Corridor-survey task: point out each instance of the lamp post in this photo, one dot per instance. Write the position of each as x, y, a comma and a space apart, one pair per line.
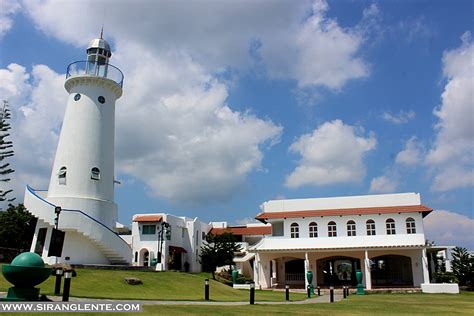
164, 225
57, 211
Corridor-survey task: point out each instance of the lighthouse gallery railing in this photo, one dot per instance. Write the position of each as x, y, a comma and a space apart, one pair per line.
95, 69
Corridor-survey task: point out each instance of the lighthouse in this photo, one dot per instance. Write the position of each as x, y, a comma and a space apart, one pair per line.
82, 180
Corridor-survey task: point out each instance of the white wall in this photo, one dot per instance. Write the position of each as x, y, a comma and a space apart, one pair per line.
399, 199
341, 222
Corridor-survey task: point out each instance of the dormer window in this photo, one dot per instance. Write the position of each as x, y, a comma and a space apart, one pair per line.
95, 173
62, 175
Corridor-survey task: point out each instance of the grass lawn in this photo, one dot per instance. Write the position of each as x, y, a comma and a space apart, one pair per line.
96, 283
375, 304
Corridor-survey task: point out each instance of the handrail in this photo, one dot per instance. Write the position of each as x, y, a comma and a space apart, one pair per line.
79, 211
95, 69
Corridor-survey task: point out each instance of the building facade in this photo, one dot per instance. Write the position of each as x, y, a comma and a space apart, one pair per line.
381, 235
168, 242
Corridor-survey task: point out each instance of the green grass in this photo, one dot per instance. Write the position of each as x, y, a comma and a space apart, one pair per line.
375, 304
96, 283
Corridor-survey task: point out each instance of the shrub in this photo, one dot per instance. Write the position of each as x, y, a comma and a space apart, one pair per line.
445, 277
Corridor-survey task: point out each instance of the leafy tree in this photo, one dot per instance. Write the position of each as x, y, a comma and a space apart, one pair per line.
218, 250
463, 266
17, 227
6, 151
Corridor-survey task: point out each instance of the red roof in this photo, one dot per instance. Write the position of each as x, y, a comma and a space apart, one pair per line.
347, 211
243, 230
147, 218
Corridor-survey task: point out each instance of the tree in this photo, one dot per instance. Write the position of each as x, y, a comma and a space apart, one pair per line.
6, 151
17, 227
218, 250
463, 266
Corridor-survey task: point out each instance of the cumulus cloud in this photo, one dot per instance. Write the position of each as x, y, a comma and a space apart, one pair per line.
411, 154
401, 117
175, 132
383, 184
37, 100
332, 153
8, 9
452, 155
297, 41
448, 228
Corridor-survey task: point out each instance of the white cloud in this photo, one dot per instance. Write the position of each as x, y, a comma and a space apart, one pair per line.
7, 9
383, 184
332, 153
452, 154
411, 155
401, 117
311, 49
449, 229
37, 101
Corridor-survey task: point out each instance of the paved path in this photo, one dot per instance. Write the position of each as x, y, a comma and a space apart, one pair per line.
313, 300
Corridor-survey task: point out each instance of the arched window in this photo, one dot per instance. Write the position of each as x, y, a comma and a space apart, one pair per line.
370, 224
62, 175
313, 230
95, 173
411, 228
332, 229
294, 231
351, 228
390, 224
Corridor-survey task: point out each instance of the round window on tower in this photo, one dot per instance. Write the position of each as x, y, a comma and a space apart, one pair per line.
101, 99
77, 97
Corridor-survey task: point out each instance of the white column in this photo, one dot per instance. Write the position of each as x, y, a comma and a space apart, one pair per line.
256, 267
424, 266
367, 276
306, 269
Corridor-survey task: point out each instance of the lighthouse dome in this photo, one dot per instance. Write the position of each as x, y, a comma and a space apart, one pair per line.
99, 43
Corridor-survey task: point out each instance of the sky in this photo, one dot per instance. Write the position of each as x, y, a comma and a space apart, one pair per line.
227, 104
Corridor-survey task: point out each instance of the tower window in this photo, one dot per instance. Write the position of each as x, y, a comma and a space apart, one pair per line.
95, 173
62, 175
77, 97
101, 99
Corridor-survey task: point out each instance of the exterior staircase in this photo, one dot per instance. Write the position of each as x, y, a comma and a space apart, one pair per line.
114, 248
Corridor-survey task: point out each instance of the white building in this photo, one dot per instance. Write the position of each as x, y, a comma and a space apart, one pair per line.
173, 242
381, 235
82, 178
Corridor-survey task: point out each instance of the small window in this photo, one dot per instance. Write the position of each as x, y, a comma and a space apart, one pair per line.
62, 175
77, 97
332, 229
168, 233
101, 99
136, 256
149, 229
294, 231
351, 228
370, 224
313, 230
390, 224
95, 173
411, 228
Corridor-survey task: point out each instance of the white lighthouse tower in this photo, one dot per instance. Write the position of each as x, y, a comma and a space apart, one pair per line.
82, 178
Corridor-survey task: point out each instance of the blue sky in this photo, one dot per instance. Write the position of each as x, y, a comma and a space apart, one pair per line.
229, 104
